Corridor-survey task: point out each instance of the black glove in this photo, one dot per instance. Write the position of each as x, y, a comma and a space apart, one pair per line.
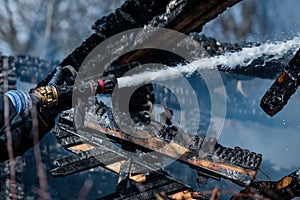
54, 94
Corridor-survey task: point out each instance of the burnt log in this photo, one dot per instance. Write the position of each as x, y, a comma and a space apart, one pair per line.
286, 188
203, 154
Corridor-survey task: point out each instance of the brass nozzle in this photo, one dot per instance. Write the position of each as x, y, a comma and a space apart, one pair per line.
48, 96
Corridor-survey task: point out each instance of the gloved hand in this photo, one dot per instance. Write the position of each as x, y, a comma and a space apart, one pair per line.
54, 94
31, 116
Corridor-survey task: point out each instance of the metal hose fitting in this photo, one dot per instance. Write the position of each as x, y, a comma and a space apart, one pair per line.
48, 96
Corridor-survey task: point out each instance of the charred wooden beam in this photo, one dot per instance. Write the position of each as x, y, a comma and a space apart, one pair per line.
235, 164
210, 164
86, 160
145, 186
184, 16
154, 184
286, 188
157, 184
93, 152
283, 88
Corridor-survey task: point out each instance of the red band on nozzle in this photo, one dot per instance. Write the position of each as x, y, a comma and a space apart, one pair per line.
101, 86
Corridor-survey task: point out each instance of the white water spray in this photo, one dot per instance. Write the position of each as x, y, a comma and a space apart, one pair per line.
242, 58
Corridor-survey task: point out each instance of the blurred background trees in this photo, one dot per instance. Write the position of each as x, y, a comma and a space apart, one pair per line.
52, 28
49, 28
256, 20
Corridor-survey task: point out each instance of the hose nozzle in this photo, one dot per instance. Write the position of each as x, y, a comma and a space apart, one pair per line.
104, 85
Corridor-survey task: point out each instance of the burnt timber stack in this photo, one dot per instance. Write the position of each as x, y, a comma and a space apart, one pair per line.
237, 165
91, 143
93, 146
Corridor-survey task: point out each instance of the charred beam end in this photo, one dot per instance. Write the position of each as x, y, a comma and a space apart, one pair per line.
197, 13
286, 188
283, 88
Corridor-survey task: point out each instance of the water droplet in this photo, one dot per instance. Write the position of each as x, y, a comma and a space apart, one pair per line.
188, 75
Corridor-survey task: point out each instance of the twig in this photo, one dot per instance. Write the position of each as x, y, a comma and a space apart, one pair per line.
37, 153
8, 132
49, 21
215, 194
264, 173
88, 184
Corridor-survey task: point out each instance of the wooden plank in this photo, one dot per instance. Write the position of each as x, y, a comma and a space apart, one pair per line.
210, 165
